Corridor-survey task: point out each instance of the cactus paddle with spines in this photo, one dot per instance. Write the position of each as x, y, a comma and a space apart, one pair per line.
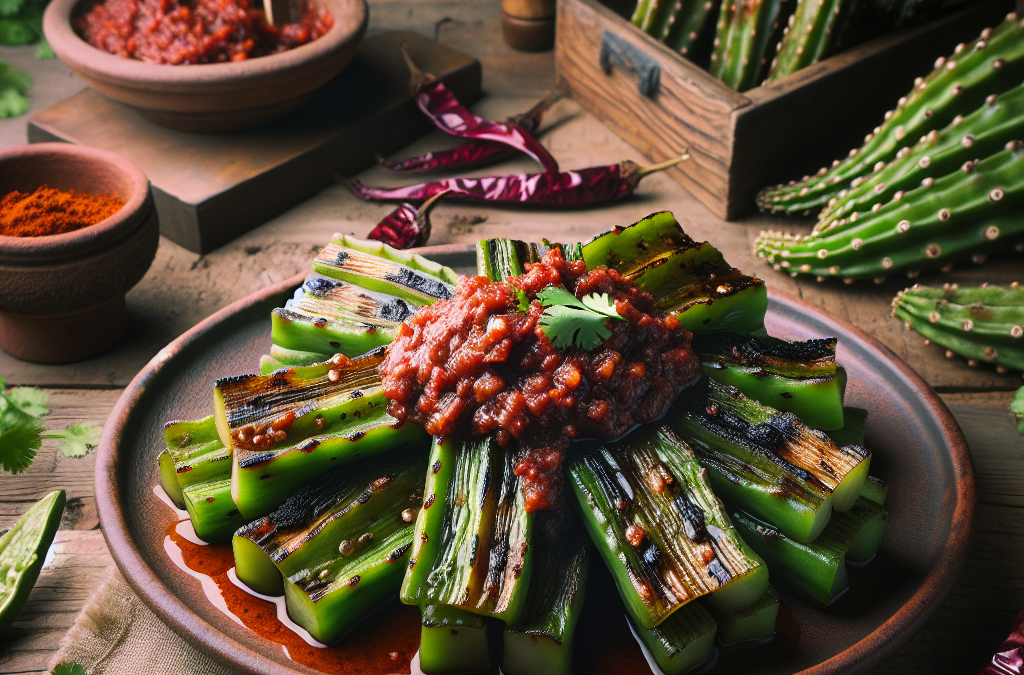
992, 64
812, 33
983, 324
967, 214
984, 132
747, 33
680, 24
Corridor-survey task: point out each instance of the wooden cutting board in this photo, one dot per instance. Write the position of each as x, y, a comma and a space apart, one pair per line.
211, 188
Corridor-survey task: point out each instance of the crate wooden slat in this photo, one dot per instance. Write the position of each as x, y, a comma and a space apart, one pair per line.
742, 142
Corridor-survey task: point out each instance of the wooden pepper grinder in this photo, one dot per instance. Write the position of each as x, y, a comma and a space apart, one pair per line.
528, 25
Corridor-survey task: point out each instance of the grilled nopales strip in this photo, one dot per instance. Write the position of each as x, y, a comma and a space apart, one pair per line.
983, 324
540, 642
453, 640
341, 512
814, 31
990, 65
751, 451
687, 278
752, 624
797, 377
471, 550
285, 428
666, 538
194, 454
745, 42
213, 513
681, 643
967, 214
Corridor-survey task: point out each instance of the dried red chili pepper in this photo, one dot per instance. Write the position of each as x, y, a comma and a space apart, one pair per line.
476, 153
406, 226
1009, 660
585, 187
439, 104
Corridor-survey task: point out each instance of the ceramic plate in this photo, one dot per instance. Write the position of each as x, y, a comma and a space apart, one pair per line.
918, 449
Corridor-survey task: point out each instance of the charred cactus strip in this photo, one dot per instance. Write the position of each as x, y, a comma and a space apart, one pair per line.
990, 65
983, 324
748, 31
813, 32
962, 215
984, 132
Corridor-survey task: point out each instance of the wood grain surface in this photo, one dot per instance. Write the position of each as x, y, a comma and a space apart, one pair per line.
183, 287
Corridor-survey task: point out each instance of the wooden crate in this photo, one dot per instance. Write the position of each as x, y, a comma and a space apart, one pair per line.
662, 104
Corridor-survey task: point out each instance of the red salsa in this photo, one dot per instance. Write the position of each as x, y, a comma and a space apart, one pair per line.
195, 31
475, 362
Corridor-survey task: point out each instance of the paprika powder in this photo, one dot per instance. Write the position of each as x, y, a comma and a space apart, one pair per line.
48, 211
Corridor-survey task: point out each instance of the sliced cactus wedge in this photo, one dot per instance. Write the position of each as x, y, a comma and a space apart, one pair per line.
967, 214
982, 324
746, 38
814, 31
194, 454
992, 64
964, 141
680, 24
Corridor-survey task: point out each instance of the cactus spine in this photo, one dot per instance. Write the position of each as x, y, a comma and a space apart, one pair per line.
982, 133
990, 65
983, 324
813, 32
680, 24
746, 35
967, 213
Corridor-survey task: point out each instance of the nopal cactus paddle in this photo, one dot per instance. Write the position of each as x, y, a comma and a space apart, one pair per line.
967, 214
982, 133
814, 31
990, 65
680, 24
747, 33
984, 324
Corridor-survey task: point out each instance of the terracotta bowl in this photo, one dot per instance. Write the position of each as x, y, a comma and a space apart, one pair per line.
210, 97
63, 295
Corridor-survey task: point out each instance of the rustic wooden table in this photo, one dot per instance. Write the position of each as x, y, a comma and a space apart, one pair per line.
182, 288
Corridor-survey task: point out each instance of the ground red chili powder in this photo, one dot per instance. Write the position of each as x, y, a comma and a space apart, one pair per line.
48, 211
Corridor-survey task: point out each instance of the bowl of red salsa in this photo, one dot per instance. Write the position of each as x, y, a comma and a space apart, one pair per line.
205, 65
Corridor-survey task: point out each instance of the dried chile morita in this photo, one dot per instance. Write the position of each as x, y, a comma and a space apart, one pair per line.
476, 364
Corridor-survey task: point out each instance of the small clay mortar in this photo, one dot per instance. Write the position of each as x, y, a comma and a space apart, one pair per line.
62, 297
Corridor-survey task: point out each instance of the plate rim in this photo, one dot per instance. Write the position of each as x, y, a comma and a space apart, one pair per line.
860, 656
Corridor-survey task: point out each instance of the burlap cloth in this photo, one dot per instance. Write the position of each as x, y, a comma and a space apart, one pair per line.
116, 634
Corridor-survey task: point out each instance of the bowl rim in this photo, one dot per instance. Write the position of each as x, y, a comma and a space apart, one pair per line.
350, 19
47, 248
860, 656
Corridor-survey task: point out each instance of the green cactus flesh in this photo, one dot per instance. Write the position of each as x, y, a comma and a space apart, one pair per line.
813, 32
983, 324
748, 31
966, 214
1017, 408
678, 23
992, 64
984, 132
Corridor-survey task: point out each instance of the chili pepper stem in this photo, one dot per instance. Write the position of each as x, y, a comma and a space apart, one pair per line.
644, 170
422, 219
418, 79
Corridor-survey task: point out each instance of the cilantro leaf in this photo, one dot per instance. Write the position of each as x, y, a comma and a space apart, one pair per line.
10, 7
13, 85
78, 440
19, 437
44, 50
30, 400
68, 669
601, 304
569, 322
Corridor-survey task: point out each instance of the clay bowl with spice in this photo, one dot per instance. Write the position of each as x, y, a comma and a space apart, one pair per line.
208, 97
63, 288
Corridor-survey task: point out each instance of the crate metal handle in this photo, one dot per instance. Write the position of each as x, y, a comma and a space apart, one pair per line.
617, 52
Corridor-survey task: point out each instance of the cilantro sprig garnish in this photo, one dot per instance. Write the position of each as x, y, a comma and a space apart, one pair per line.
22, 432
569, 321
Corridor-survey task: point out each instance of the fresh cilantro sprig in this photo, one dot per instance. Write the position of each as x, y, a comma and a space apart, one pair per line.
68, 669
22, 432
569, 321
